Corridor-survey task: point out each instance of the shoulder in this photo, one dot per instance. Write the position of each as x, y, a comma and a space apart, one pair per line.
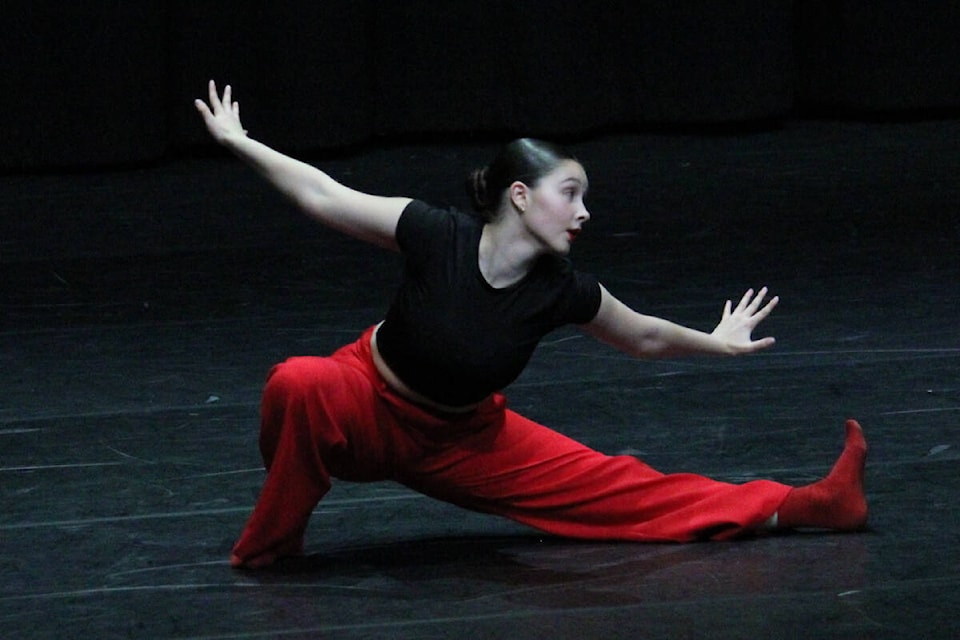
561, 269
422, 223
579, 292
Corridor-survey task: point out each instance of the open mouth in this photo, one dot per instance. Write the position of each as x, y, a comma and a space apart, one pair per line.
572, 234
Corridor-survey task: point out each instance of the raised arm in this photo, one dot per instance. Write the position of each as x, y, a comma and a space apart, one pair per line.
364, 216
651, 337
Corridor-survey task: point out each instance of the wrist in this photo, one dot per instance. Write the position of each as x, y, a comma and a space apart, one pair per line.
234, 141
721, 346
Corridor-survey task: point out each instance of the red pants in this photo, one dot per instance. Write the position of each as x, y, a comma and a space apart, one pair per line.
335, 416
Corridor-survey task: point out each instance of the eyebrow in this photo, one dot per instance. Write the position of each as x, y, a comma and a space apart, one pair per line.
582, 183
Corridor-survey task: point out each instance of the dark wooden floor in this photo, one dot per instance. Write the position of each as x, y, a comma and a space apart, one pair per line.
141, 309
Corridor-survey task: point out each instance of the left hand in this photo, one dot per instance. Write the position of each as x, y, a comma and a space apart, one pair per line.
737, 324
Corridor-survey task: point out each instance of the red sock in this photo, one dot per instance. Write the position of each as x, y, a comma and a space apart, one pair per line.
836, 502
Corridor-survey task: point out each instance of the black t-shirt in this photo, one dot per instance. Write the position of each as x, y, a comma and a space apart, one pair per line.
452, 337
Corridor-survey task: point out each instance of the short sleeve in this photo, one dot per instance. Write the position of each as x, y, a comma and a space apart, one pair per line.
584, 298
422, 228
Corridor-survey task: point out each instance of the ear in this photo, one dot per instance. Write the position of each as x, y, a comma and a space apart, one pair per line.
519, 196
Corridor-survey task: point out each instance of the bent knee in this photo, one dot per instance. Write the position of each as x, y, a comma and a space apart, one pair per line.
298, 375
313, 377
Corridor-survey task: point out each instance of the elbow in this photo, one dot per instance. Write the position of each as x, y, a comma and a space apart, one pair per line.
653, 350
649, 345
312, 203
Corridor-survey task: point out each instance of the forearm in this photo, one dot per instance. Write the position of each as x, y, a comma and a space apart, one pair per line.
665, 339
302, 183
367, 217
651, 337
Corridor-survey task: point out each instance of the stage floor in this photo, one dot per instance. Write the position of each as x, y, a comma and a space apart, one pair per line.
132, 367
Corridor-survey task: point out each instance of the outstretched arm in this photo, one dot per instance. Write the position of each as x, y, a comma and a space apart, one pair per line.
364, 216
651, 337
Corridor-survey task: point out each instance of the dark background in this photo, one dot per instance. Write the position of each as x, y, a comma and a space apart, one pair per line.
148, 280
102, 153
88, 84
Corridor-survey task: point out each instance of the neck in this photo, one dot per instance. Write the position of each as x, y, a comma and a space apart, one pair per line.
504, 257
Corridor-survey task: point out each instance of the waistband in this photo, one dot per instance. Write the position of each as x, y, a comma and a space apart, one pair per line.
422, 418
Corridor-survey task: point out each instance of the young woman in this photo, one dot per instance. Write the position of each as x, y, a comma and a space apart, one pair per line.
417, 399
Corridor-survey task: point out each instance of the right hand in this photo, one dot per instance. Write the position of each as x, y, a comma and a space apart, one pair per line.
222, 117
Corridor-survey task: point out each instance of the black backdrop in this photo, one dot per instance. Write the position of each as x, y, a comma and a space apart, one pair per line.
88, 84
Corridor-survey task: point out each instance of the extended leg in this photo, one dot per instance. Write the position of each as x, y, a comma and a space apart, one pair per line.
531, 474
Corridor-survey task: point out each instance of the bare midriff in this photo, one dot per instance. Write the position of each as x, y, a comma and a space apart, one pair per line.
398, 385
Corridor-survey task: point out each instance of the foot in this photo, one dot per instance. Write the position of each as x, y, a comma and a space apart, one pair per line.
837, 502
266, 559
258, 562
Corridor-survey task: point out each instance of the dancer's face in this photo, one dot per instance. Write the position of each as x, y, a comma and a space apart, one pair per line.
553, 211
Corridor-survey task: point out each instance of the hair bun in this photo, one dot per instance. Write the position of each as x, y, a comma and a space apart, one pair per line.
477, 189
525, 160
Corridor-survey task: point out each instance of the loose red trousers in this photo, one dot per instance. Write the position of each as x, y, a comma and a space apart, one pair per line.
335, 416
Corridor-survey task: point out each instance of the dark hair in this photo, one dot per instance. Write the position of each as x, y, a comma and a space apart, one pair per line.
525, 159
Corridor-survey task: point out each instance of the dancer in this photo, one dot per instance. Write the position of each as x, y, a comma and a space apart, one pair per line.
418, 397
